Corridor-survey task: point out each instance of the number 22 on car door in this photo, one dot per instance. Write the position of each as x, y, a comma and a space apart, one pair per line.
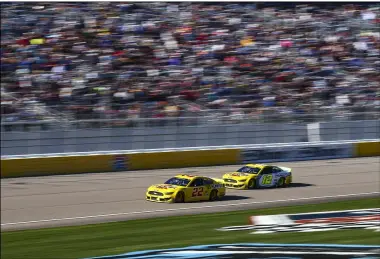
197, 190
197, 193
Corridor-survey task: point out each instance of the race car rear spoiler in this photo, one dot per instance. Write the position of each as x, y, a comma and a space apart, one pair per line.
287, 169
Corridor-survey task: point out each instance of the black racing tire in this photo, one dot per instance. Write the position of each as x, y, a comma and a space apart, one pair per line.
180, 197
281, 183
213, 195
251, 184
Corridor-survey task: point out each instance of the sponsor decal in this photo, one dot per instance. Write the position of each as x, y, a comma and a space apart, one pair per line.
239, 174
166, 186
312, 222
161, 187
258, 251
296, 153
120, 162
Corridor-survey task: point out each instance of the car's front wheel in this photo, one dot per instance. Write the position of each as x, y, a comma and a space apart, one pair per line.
281, 182
180, 197
251, 184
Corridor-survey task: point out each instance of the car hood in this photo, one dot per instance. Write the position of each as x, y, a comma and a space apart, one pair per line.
237, 175
164, 188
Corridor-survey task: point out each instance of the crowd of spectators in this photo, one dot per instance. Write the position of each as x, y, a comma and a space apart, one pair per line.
151, 60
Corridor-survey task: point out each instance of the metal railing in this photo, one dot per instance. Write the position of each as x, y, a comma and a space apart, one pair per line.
220, 118
228, 128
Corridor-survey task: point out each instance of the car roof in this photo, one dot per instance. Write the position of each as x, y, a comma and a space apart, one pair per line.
256, 165
187, 176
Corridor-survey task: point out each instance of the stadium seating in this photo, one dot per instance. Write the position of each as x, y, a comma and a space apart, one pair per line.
100, 60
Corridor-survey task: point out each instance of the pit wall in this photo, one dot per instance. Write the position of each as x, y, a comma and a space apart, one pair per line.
72, 163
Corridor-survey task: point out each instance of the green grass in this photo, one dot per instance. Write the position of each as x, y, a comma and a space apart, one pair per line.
171, 232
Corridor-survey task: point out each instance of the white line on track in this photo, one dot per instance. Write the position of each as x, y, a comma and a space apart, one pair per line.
186, 208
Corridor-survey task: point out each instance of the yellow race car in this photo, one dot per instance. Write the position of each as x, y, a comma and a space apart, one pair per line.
253, 176
187, 188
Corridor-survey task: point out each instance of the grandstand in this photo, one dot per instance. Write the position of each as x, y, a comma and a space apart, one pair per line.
64, 62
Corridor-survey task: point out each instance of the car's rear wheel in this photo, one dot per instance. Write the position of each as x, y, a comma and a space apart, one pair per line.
281, 182
288, 181
180, 197
251, 184
213, 195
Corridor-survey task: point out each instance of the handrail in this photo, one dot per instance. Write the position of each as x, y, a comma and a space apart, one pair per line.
248, 118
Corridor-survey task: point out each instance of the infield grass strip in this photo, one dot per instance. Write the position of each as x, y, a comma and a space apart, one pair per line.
171, 232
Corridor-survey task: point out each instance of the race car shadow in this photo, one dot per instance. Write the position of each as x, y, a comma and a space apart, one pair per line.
234, 198
292, 185
296, 185
225, 198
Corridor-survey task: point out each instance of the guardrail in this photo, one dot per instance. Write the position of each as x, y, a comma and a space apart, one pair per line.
17, 166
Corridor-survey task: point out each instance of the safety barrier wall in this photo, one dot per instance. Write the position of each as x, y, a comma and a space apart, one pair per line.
16, 166
55, 165
367, 149
92, 163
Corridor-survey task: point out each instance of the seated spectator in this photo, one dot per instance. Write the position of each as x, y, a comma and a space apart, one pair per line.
94, 60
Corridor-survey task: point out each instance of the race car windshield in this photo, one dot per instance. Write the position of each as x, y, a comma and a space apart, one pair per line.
249, 170
177, 181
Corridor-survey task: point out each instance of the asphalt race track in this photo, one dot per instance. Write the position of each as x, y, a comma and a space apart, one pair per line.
36, 202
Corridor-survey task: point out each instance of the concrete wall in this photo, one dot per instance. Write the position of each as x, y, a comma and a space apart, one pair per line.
84, 140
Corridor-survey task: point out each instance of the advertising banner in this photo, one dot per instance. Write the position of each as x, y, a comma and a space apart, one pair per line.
312, 222
296, 153
120, 162
257, 251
